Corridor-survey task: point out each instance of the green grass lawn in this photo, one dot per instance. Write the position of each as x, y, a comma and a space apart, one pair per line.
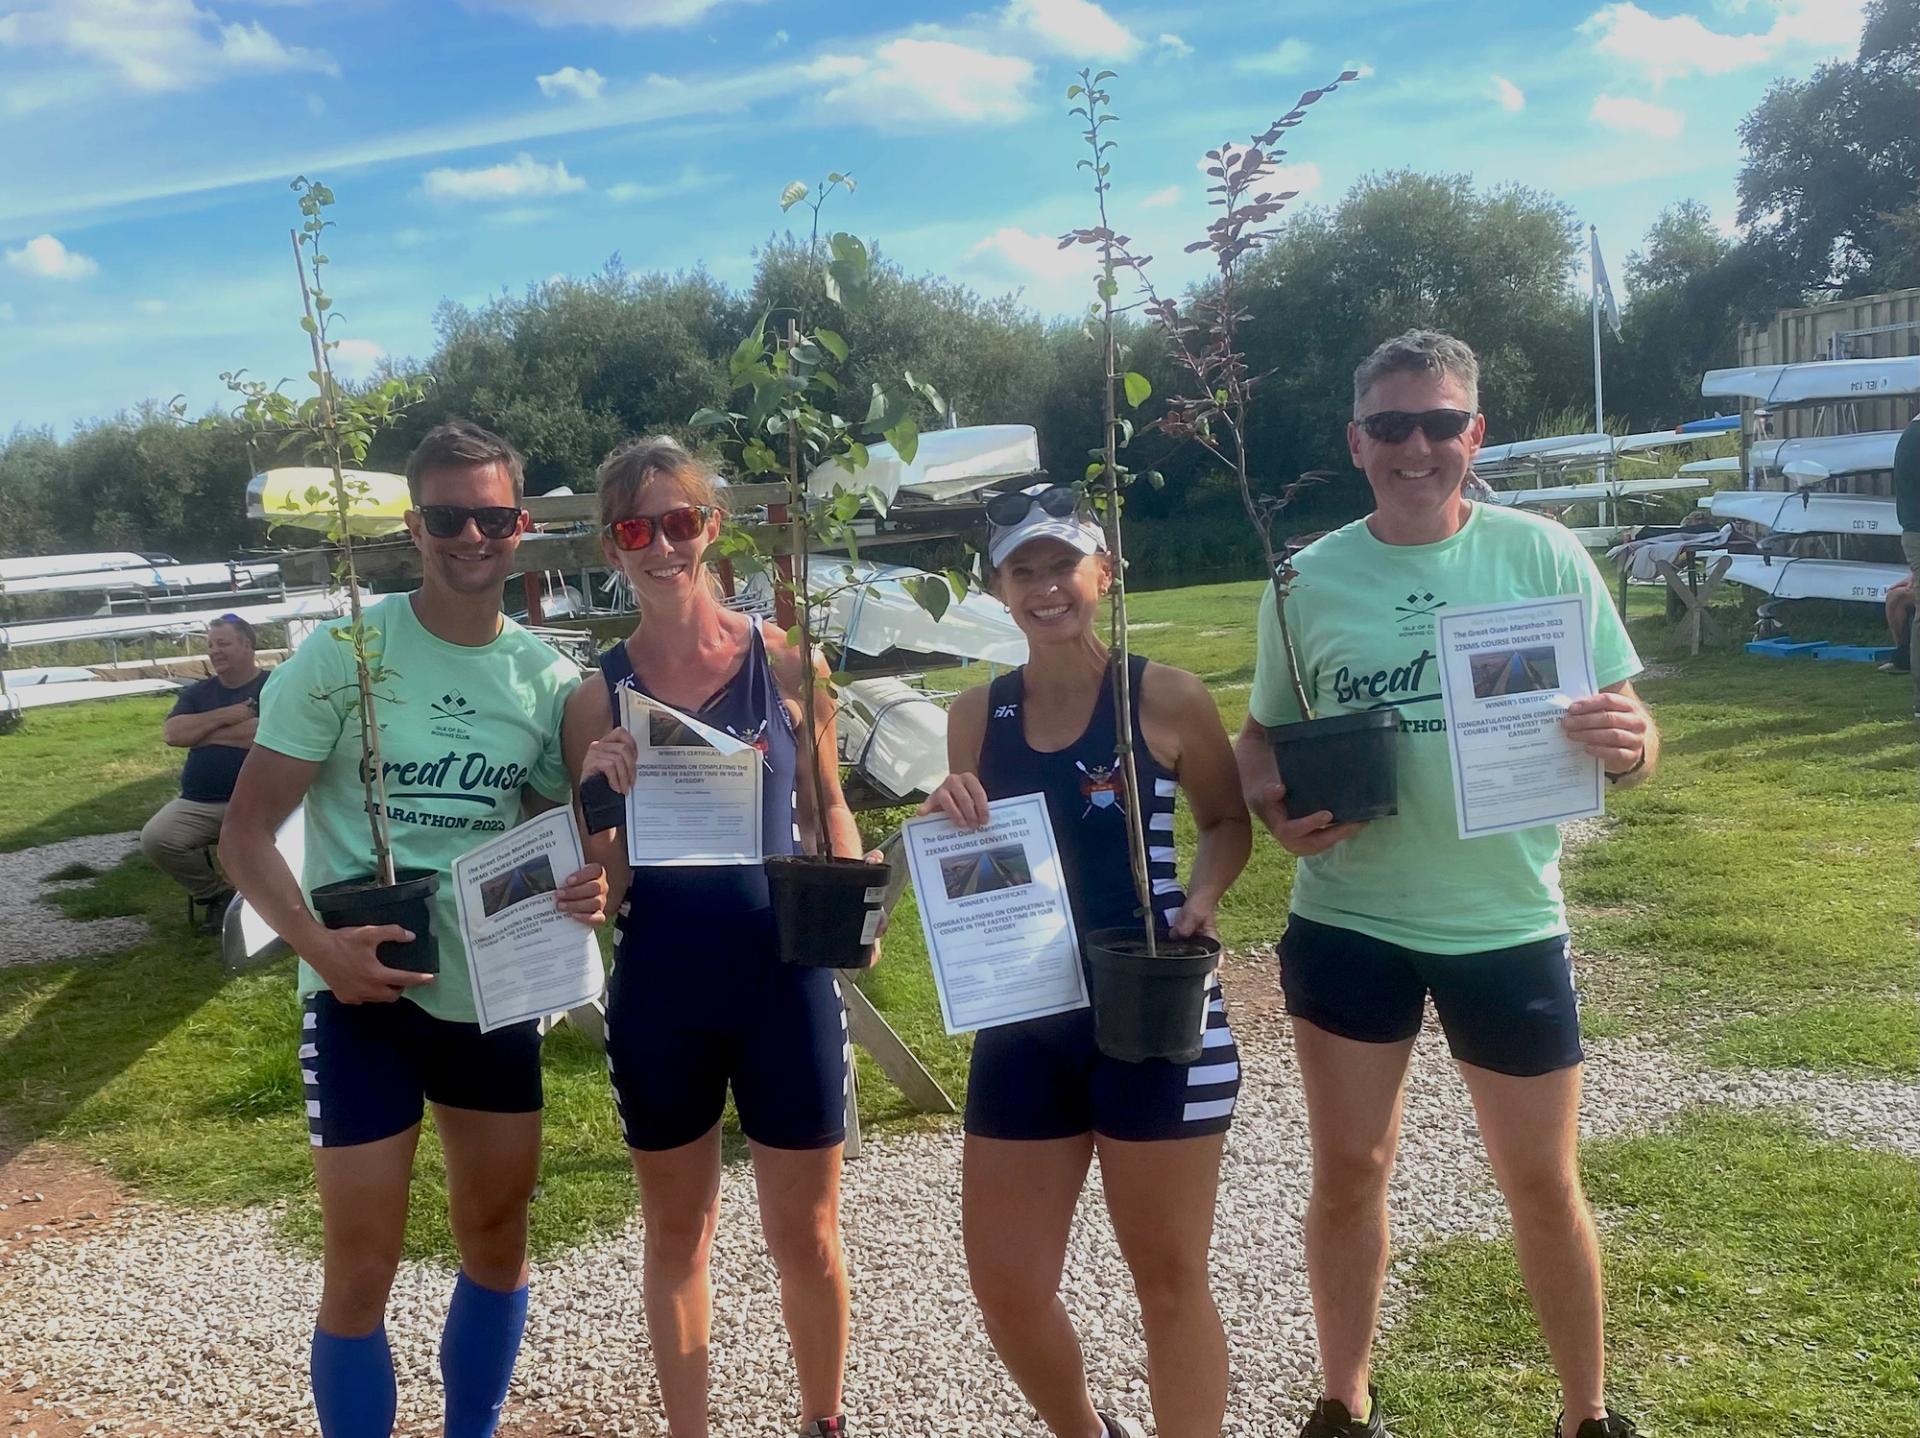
1758, 892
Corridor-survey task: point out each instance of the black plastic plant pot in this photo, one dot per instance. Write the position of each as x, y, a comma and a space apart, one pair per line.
1150, 1006
827, 910
603, 807
408, 902
1345, 764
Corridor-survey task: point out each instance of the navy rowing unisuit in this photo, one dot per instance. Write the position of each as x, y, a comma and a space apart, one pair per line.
1045, 1078
698, 997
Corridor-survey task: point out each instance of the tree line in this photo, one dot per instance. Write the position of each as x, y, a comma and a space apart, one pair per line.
1830, 207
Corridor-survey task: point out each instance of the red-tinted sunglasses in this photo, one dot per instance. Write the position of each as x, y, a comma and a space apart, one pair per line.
679, 525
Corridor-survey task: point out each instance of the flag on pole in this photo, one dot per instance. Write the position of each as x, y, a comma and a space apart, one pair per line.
1602, 289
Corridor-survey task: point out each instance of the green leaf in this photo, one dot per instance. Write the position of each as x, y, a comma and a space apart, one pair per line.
831, 343
793, 195
1139, 388
959, 581
707, 417
904, 436
930, 592
759, 459
1074, 92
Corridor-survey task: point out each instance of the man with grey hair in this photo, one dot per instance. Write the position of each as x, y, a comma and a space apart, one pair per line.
1384, 913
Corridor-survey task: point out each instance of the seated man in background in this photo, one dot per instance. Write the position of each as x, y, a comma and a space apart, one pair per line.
1900, 607
213, 720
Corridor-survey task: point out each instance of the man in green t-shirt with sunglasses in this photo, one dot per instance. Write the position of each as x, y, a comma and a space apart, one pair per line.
470, 715
1386, 913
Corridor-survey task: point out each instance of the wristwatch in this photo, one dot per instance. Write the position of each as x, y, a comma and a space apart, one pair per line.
1637, 766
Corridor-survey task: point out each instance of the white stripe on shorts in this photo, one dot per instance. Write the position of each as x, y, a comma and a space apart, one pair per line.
1217, 1038
1207, 1108
1202, 1074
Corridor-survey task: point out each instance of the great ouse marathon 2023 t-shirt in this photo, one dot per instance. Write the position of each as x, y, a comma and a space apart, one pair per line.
1362, 615
462, 729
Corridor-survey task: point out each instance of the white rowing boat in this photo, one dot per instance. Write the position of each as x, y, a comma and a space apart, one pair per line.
47, 696
1611, 489
45, 565
1841, 579
135, 624
948, 463
894, 735
1807, 511
1835, 453
1817, 382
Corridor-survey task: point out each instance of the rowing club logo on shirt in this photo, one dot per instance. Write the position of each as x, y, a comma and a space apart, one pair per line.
1100, 787
1416, 611
453, 715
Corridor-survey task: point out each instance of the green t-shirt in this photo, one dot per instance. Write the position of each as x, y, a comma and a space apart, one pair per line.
1362, 616
462, 729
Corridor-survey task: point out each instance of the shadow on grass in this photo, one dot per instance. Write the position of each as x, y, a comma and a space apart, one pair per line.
116, 810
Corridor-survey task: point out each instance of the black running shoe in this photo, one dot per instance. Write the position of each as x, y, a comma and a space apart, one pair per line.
1119, 1427
1330, 1419
1612, 1426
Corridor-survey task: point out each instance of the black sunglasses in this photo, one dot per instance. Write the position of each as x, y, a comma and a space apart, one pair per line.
1396, 426
1006, 510
449, 521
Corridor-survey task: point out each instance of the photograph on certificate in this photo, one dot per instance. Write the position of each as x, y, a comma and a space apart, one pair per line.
1508, 674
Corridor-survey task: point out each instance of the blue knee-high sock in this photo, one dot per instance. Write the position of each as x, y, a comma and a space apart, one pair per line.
353, 1388
477, 1350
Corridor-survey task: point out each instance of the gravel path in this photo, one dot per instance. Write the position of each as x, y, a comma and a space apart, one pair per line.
33, 931
198, 1323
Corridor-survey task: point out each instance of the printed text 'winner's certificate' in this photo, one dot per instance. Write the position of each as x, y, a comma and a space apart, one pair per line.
525, 958
696, 790
994, 906
1508, 673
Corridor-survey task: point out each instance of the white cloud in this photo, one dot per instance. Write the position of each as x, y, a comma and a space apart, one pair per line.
1673, 47
155, 45
616, 14
1076, 28
1173, 45
6, 313
1160, 199
777, 39
521, 178
1013, 254
356, 359
917, 84
151, 307
1510, 96
1637, 117
685, 183
580, 84
1283, 59
46, 258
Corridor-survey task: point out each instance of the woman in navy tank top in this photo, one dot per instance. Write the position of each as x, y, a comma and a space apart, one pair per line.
1041, 1098
698, 1001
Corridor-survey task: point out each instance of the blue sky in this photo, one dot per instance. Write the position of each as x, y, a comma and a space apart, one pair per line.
482, 145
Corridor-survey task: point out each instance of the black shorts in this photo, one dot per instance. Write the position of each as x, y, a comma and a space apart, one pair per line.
369, 1069
1509, 1010
682, 1030
1047, 1079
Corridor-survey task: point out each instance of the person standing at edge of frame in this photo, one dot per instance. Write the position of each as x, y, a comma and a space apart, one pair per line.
1041, 1098
699, 998
1906, 499
477, 704
1384, 913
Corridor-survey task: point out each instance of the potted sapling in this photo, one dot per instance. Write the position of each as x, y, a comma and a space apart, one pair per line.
1149, 989
793, 417
1344, 763
332, 429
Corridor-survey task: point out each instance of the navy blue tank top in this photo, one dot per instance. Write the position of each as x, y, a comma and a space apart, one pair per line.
696, 899
1085, 801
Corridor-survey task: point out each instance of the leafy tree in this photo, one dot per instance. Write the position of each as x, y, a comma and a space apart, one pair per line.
1831, 184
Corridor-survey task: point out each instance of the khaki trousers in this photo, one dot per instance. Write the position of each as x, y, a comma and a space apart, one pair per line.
1910, 547
181, 839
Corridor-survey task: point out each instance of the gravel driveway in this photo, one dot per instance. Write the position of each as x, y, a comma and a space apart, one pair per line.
199, 1323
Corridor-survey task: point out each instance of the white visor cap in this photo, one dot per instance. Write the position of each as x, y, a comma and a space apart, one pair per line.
1083, 534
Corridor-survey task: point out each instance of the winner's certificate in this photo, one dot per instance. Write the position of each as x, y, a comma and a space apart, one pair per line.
1508, 673
994, 907
696, 790
525, 959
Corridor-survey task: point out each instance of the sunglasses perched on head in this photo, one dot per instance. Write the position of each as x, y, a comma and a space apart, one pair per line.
1396, 426
449, 521
678, 525
1006, 510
